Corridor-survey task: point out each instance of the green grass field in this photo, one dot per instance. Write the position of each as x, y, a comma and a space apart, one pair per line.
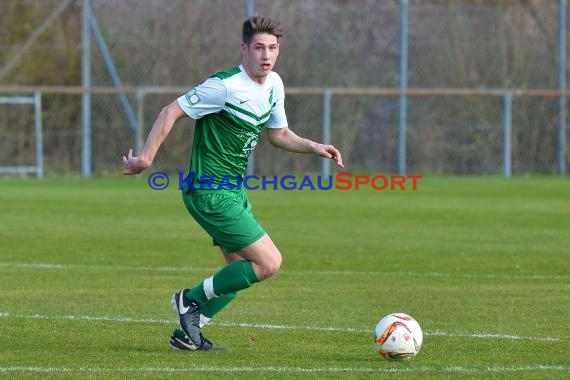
87, 269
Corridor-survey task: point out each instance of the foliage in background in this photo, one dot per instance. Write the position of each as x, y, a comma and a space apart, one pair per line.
336, 43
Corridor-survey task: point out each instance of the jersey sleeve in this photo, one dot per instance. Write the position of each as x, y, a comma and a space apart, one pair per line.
209, 97
278, 118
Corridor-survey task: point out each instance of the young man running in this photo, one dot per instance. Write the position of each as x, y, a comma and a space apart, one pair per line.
230, 108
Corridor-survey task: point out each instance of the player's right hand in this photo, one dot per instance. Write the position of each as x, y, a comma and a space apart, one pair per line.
133, 164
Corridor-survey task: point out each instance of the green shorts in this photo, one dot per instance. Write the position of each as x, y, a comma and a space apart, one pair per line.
226, 216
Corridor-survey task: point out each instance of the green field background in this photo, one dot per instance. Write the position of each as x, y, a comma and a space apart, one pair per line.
87, 269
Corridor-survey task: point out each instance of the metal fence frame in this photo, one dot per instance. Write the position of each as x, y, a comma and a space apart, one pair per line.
327, 95
36, 101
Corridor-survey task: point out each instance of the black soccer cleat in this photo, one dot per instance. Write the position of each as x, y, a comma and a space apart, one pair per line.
179, 341
189, 315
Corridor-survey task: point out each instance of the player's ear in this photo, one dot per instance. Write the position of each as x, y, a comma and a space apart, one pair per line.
243, 48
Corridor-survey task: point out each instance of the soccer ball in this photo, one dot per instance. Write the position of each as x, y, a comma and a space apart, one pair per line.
398, 336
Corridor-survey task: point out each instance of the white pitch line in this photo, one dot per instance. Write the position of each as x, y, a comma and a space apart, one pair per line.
4, 314
104, 267
392, 370
313, 272
426, 333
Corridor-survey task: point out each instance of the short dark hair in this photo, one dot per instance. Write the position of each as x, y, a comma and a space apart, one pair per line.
259, 24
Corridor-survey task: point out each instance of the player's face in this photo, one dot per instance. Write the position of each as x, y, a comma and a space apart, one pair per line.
260, 55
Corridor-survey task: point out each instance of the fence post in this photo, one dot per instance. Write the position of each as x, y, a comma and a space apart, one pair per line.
327, 97
403, 85
86, 96
507, 126
110, 64
562, 86
139, 138
39, 135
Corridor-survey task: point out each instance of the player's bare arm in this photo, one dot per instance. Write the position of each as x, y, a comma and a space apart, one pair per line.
288, 140
160, 130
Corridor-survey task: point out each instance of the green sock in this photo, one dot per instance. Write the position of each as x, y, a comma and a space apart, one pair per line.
216, 304
230, 279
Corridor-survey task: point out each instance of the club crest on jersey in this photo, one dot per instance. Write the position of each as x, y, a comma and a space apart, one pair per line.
192, 98
271, 96
250, 143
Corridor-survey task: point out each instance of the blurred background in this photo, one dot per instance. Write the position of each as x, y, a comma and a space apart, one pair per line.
419, 87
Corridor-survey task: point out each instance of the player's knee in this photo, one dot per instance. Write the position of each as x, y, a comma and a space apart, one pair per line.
275, 264
271, 266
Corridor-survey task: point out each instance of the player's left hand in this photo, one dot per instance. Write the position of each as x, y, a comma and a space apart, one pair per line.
331, 152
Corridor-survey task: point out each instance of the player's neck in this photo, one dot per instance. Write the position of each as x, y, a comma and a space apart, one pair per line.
257, 79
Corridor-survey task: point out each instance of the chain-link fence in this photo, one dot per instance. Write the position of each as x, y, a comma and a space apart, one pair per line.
481, 44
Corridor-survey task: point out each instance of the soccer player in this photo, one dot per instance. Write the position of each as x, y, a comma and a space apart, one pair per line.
230, 108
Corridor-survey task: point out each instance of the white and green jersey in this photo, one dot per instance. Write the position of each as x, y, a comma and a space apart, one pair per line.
230, 111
